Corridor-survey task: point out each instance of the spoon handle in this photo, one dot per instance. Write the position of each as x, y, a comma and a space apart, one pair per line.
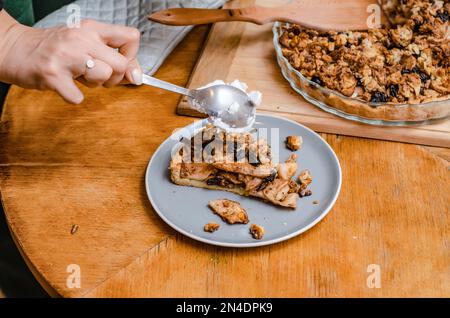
151, 81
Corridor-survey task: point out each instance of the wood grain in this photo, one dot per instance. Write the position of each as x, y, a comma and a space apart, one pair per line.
342, 15
251, 58
62, 165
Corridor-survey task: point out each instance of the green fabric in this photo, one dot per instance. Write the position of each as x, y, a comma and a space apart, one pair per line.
44, 7
21, 10
30, 11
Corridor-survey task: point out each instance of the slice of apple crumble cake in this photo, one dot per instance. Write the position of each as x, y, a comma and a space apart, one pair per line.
237, 163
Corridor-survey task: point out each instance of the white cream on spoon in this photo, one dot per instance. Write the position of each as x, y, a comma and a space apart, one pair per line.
229, 106
255, 98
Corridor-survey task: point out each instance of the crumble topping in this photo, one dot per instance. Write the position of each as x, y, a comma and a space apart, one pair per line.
407, 63
230, 211
294, 143
211, 227
305, 179
257, 231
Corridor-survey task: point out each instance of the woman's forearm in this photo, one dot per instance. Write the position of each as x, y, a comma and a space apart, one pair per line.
6, 24
10, 31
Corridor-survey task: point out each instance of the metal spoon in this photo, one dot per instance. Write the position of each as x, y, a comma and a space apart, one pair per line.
228, 107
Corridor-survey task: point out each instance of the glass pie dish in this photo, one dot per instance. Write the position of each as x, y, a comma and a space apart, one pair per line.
387, 114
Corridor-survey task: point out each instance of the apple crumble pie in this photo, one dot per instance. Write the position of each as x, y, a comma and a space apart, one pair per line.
408, 62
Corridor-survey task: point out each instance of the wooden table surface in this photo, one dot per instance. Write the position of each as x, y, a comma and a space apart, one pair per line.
63, 166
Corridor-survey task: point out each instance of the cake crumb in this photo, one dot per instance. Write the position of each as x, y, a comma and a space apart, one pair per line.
257, 231
294, 143
305, 178
74, 229
211, 227
316, 202
230, 211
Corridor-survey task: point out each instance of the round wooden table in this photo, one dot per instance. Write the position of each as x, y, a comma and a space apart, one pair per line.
72, 186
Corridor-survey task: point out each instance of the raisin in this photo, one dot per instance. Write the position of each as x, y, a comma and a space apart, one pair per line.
266, 181
295, 30
417, 26
378, 97
317, 80
423, 76
262, 186
359, 82
215, 181
393, 90
272, 177
304, 193
406, 71
443, 16
330, 38
392, 45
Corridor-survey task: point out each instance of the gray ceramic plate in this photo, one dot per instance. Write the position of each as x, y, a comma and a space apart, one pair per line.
185, 208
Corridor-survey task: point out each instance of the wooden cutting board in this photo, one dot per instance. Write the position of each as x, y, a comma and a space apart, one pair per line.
244, 51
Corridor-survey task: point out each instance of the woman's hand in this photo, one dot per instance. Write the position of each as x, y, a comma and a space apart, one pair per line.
53, 58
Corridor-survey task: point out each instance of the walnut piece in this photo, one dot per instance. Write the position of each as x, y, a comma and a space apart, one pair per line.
257, 231
294, 143
305, 178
